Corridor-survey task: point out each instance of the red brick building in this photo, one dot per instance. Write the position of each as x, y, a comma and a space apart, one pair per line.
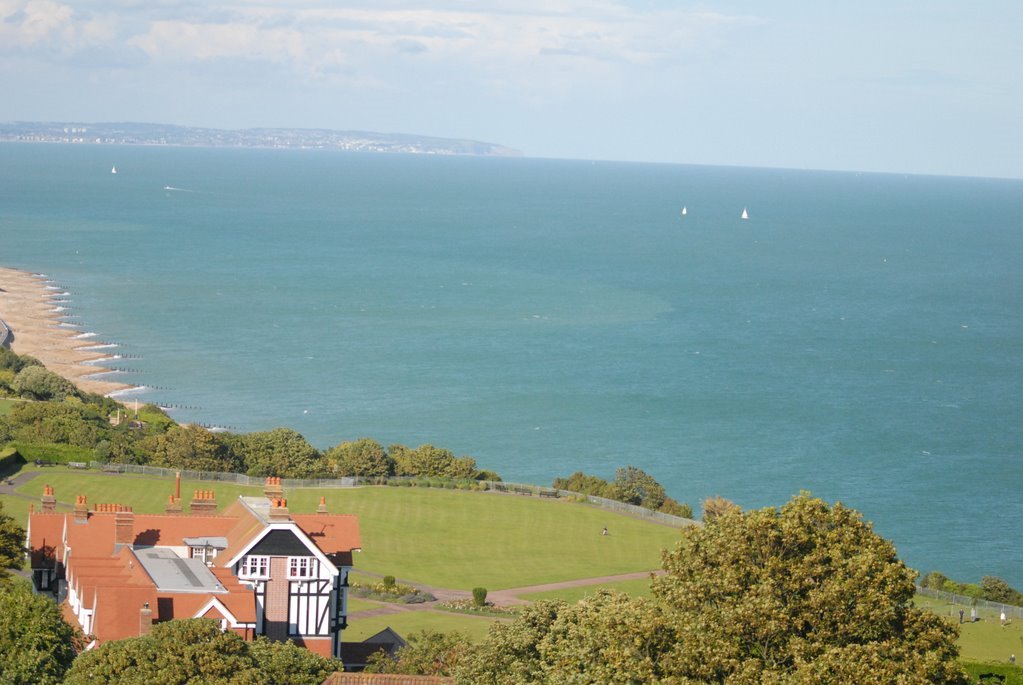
257, 568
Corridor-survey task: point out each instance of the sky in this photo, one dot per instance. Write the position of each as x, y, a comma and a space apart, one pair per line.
922, 87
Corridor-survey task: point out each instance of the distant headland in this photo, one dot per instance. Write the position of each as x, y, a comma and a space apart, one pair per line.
129, 133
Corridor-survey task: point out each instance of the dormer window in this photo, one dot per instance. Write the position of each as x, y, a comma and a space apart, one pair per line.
205, 554
254, 567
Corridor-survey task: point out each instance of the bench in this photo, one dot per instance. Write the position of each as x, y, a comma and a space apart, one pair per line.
550, 493
77, 465
111, 468
43, 462
523, 491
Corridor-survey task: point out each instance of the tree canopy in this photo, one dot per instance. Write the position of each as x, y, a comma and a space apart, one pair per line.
280, 452
363, 457
12, 541
36, 645
803, 594
798, 594
197, 651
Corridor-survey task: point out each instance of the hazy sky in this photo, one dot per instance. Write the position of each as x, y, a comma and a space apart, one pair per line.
932, 86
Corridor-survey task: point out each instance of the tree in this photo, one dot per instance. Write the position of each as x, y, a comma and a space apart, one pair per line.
585, 484
12, 541
807, 593
608, 637
36, 645
636, 486
285, 663
428, 652
997, 590
173, 653
190, 447
510, 652
427, 460
39, 383
280, 452
364, 457
935, 580
716, 506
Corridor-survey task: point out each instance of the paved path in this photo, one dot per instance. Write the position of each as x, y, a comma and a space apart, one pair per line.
505, 597
7, 485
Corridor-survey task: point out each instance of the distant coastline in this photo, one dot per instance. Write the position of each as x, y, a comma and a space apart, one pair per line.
130, 133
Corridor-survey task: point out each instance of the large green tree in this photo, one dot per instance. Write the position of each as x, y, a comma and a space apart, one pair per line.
363, 457
427, 460
190, 447
805, 593
36, 645
39, 383
12, 542
197, 651
280, 452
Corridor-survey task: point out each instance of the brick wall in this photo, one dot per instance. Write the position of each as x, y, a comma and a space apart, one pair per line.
277, 599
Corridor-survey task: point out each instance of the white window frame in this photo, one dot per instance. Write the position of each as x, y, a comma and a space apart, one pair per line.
301, 568
205, 554
254, 566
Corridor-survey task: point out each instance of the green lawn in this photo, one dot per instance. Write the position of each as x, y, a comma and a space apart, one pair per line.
986, 640
409, 622
445, 538
458, 539
635, 588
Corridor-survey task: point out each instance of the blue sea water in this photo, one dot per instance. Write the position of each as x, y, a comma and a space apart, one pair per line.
860, 336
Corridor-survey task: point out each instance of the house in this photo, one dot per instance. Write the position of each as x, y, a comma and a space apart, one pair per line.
256, 567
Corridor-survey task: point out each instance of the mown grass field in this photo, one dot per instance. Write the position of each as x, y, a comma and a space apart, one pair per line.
444, 538
985, 640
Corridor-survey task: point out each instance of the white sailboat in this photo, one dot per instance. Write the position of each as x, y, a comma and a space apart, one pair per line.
113, 170
745, 214
684, 210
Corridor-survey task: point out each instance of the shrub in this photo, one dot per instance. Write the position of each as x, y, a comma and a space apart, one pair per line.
479, 596
389, 583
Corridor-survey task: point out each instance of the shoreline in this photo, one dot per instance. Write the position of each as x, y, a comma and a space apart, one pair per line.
35, 311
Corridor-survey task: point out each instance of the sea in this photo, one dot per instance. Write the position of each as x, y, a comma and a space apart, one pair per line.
859, 336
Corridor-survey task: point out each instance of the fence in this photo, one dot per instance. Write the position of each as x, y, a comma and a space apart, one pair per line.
5, 334
985, 608
354, 481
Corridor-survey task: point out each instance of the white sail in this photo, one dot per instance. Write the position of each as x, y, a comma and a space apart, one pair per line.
113, 170
684, 211
745, 214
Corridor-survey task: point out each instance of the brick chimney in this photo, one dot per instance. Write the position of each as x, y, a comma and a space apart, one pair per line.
321, 508
49, 501
173, 506
204, 503
145, 619
279, 509
273, 487
81, 509
124, 526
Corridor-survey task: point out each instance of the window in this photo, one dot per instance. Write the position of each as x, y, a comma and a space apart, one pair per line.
255, 567
301, 567
203, 554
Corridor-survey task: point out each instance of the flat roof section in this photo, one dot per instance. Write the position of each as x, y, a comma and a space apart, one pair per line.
171, 573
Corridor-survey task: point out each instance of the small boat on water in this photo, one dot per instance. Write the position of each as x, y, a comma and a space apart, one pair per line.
745, 214
113, 170
684, 210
